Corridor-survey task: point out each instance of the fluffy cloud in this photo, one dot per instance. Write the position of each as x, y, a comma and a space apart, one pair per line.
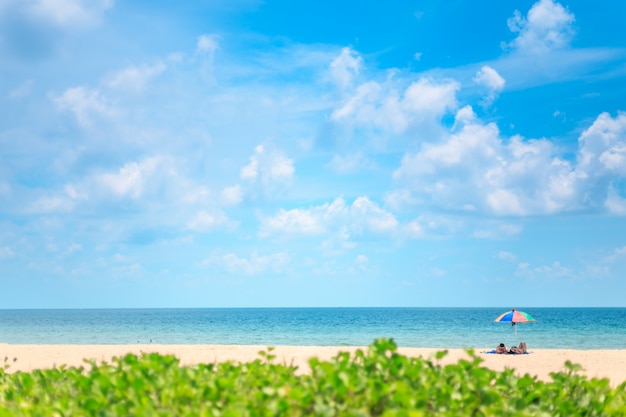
361, 217
86, 104
231, 196
616, 255
254, 265
368, 216
470, 147
555, 270
131, 179
351, 163
296, 221
495, 230
266, 167
489, 78
602, 160
346, 67
519, 177
378, 106
204, 221
208, 43
361, 262
65, 13
548, 26
135, 78
506, 256
615, 203
51, 204
267, 171
33, 30
603, 146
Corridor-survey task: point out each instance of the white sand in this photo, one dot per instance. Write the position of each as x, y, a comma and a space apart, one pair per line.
609, 364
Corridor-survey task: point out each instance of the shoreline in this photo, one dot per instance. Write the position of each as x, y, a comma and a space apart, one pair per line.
600, 363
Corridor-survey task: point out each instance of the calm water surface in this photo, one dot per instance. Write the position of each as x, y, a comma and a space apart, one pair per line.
574, 328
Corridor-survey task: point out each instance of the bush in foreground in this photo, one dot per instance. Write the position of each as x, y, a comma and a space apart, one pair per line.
375, 382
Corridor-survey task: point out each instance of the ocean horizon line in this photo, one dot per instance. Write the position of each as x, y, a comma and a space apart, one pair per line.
311, 307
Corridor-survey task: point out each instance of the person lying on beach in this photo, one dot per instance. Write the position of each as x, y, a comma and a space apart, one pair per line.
518, 349
501, 348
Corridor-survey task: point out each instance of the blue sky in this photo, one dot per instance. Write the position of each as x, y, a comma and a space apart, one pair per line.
248, 153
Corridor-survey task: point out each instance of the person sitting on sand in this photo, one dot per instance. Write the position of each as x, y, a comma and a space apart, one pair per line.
518, 349
501, 348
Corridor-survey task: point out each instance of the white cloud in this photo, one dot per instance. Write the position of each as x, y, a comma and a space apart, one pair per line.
603, 146
135, 78
338, 242
254, 265
232, 196
23, 90
268, 169
368, 216
75, 194
351, 163
489, 78
204, 221
251, 171
437, 272
506, 256
198, 194
361, 262
84, 103
616, 255
63, 201
614, 203
131, 179
555, 270
74, 247
401, 198
521, 177
296, 221
119, 258
68, 13
52, 204
548, 26
602, 161
378, 106
466, 150
433, 97
132, 270
6, 252
414, 229
346, 67
505, 202
497, 230
361, 217
435, 224
208, 43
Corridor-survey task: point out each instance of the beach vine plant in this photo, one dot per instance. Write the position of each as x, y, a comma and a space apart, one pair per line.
377, 381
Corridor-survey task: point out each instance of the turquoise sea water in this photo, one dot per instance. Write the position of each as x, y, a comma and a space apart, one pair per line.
572, 328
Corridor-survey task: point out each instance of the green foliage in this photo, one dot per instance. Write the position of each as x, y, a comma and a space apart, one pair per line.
375, 382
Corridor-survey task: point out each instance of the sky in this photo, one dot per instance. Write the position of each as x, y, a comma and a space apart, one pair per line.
246, 153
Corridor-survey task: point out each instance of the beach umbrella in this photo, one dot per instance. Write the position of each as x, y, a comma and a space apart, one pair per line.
514, 316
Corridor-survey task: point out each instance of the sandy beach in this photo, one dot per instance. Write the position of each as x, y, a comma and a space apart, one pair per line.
609, 364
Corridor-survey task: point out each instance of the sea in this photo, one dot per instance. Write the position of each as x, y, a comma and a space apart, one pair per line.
554, 328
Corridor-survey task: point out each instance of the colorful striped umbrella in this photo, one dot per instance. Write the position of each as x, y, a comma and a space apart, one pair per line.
514, 316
